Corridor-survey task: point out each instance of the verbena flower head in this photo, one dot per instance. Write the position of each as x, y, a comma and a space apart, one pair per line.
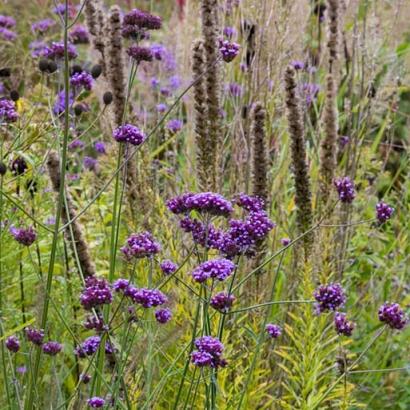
148, 298
140, 245
76, 144
37, 48
274, 331
177, 205
59, 9
121, 284
249, 202
161, 107
383, 212
96, 292
329, 297
174, 125
168, 267
345, 189
93, 322
99, 146
83, 79
7, 21
42, 26
90, 163
8, 111
129, 133
96, 402
24, 236
52, 348
393, 315
79, 35
218, 269
222, 301
90, 346
13, 344
234, 89
209, 203
140, 54
310, 91
157, 51
209, 352
59, 105
229, 32
56, 51
297, 65
229, 50
7, 34
34, 335
285, 241
342, 325
163, 315
142, 20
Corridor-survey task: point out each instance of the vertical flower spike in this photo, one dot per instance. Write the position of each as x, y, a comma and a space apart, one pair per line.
333, 31
259, 154
328, 144
303, 199
210, 31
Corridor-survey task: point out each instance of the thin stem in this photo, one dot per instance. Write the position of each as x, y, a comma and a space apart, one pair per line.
279, 302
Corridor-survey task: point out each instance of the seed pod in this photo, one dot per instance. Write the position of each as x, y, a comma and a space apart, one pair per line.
78, 109
43, 65
96, 71
52, 67
107, 97
3, 168
76, 68
5, 72
14, 95
18, 166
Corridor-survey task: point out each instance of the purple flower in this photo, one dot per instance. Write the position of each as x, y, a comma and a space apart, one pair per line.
34, 336
285, 241
82, 79
7, 21
310, 92
93, 322
174, 125
59, 105
217, 269
142, 20
203, 234
129, 133
37, 48
96, 402
99, 146
8, 111
342, 325
228, 49
222, 301
148, 298
393, 315
297, 65
177, 205
343, 140
96, 292
155, 83
383, 212
60, 10
175, 82
90, 163
140, 53
76, 144
274, 331
345, 189
248, 202
121, 284
229, 32
141, 245
42, 26
234, 89
161, 108
329, 297
79, 35
88, 347
85, 378
7, 34
209, 203
52, 348
157, 51
163, 315
168, 267
13, 344
209, 352
24, 236
56, 51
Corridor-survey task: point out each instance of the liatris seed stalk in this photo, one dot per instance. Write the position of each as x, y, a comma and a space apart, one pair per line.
78, 243
333, 32
209, 13
303, 195
203, 165
328, 146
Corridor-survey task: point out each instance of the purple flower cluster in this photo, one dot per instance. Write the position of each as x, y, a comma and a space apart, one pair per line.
99, 146
383, 212
147, 298
34, 336
96, 292
7, 21
42, 26
209, 352
218, 269
93, 322
163, 315
129, 133
8, 111
174, 125
274, 331
82, 79
90, 346
168, 267
7, 34
229, 50
310, 92
24, 236
121, 284
96, 402
59, 105
297, 65
13, 344
222, 301
393, 315
60, 10
140, 54
329, 297
56, 51
342, 325
90, 163
142, 20
79, 35
52, 348
140, 245
248, 202
345, 189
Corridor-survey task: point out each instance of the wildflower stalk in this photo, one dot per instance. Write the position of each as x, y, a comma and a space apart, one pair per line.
60, 202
